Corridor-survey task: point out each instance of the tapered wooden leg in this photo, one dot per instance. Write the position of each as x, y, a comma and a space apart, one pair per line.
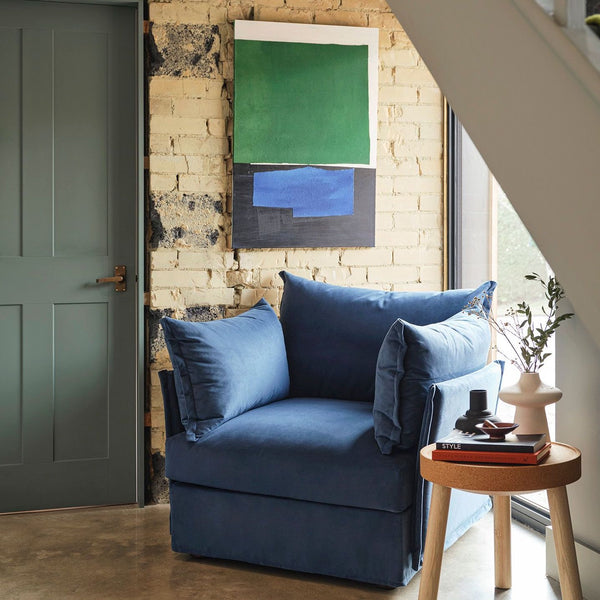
434, 542
570, 585
502, 555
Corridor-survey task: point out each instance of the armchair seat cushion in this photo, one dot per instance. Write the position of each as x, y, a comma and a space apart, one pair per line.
313, 449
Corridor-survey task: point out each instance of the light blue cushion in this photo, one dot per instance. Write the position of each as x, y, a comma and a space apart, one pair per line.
411, 358
333, 334
224, 368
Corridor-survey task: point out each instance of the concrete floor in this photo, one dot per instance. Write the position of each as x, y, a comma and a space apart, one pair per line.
124, 553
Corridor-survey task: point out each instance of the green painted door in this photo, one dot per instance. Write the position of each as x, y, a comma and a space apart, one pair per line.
67, 217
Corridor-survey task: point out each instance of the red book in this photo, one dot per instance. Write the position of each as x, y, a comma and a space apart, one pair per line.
507, 458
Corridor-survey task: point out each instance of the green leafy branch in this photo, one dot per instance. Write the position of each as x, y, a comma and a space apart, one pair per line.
528, 341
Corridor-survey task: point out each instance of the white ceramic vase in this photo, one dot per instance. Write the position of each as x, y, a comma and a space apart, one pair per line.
530, 396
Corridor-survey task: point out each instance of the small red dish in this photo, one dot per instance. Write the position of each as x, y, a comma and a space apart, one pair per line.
498, 432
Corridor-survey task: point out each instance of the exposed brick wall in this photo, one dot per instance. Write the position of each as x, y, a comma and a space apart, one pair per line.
194, 274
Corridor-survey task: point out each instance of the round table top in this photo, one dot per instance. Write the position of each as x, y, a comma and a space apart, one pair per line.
561, 467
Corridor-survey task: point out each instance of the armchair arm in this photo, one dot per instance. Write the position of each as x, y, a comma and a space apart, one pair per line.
172, 416
446, 401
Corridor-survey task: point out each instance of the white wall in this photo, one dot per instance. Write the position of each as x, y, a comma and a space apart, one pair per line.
578, 421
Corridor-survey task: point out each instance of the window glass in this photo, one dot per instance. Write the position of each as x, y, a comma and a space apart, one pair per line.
495, 244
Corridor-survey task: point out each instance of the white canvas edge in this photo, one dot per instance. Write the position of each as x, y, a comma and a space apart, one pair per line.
268, 31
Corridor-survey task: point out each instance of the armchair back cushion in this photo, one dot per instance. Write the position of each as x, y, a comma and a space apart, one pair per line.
411, 359
224, 368
333, 334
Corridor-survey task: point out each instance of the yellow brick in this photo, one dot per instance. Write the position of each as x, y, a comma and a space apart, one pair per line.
216, 127
205, 185
160, 143
398, 132
417, 184
209, 89
157, 440
167, 164
160, 106
341, 17
342, 275
312, 4
385, 185
422, 114
239, 278
208, 297
391, 167
393, 94
281, 14
250, 259
242, 12
166, 299
430, 95
179, 279
408, 75
313, 258
208, 108
431, 167
430, 131
366, 257
395, 274
431, 274
399, 203
165, 86
269, 278
419, 149
217, 14
163, 259
202, 145
162, 183
383, 21
399, 57
190, 13
174, 125
384, 221
371, 5
398, 239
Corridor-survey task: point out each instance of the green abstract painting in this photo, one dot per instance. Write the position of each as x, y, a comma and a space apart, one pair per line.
304, 135
301, 103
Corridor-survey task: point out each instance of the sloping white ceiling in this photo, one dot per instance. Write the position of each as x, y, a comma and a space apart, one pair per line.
531, 103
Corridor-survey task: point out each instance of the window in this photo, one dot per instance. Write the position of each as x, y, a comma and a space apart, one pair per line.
487, 240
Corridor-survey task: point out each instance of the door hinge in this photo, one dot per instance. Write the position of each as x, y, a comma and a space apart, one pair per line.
146, 27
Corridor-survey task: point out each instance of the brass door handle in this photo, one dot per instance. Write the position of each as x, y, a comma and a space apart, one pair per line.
119, 279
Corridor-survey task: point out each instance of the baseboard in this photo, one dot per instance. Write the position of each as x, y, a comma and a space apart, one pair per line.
589, 566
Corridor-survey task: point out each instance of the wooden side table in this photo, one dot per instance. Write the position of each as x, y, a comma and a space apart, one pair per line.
563, 466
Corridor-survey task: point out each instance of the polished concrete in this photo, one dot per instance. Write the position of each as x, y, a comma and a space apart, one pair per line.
124, 553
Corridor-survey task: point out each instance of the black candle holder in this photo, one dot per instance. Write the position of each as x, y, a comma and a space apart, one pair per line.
477, 413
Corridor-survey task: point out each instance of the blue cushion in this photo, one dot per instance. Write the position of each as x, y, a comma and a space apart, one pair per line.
333, 334
314, 449
224, 368
412, 357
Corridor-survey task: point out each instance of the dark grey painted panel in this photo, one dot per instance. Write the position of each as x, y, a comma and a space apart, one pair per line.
38, 384
38, 149
258, 227
80, 143
10, 143
81, 348
11, 391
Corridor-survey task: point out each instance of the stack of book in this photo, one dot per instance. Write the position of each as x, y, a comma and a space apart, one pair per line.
479, 448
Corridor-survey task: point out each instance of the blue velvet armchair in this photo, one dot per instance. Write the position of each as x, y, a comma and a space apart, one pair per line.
294, 442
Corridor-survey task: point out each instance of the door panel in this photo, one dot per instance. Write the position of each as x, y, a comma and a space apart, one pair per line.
10, 376
10, 144
68, 202
81, 144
